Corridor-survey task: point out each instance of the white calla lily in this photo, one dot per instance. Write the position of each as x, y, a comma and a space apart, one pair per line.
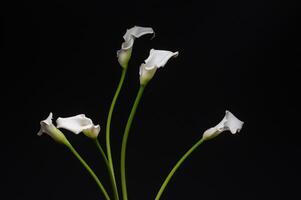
229, 123
124, 54
48, 128
156, 59
79, 123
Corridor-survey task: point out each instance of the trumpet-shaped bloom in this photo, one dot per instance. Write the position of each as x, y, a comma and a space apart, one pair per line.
124, 54
48, 128
79, 123
156, 59
229, 123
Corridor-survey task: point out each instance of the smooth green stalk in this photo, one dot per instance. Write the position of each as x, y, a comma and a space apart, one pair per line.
124, 142
115, 191
91, 172
177, 165
103, 154
108, 127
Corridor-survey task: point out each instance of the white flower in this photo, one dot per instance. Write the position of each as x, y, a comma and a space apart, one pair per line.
156, 59
124, 54
79, 123
48, 128
229, 123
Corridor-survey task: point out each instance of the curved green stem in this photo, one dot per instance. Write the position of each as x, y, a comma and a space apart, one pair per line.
109, 168
102, 153
91, 172
108, 127
177, 165
124, 141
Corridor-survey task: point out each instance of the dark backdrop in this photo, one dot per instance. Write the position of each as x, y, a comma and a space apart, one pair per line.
60, 56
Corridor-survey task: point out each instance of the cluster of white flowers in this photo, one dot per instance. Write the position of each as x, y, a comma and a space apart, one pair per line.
75, 124
156, 59
81, 123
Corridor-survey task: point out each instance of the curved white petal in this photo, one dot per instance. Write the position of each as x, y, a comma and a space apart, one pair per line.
124, 54
158, 58
228, 123
48, 128
75, 124
137, 31
127, 44
134, 32
45, 124
233, 124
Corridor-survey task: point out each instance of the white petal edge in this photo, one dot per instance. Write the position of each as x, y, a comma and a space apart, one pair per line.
228, 123
134, 32
75, 124
233, 124
45, 123
158, 58
48, 128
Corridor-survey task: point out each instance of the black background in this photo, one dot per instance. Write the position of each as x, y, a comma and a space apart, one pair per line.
60, 56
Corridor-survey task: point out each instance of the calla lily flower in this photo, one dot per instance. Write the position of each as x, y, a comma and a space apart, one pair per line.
48, 128
229, 123
79, 123
156, 59
124, 54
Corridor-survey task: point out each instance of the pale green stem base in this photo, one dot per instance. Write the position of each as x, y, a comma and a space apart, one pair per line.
108, 127
124, 142
91, 172
177, 165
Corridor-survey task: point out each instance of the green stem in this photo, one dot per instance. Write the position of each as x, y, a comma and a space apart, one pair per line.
102, 153
108, 126
91, 172
124, 141
109, 169
177, 165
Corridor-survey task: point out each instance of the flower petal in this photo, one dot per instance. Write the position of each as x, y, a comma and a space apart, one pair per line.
124, 54
228, 123
75, 124
48, 128
127, 44
158, 58
134, 32
233, 124
44, 124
